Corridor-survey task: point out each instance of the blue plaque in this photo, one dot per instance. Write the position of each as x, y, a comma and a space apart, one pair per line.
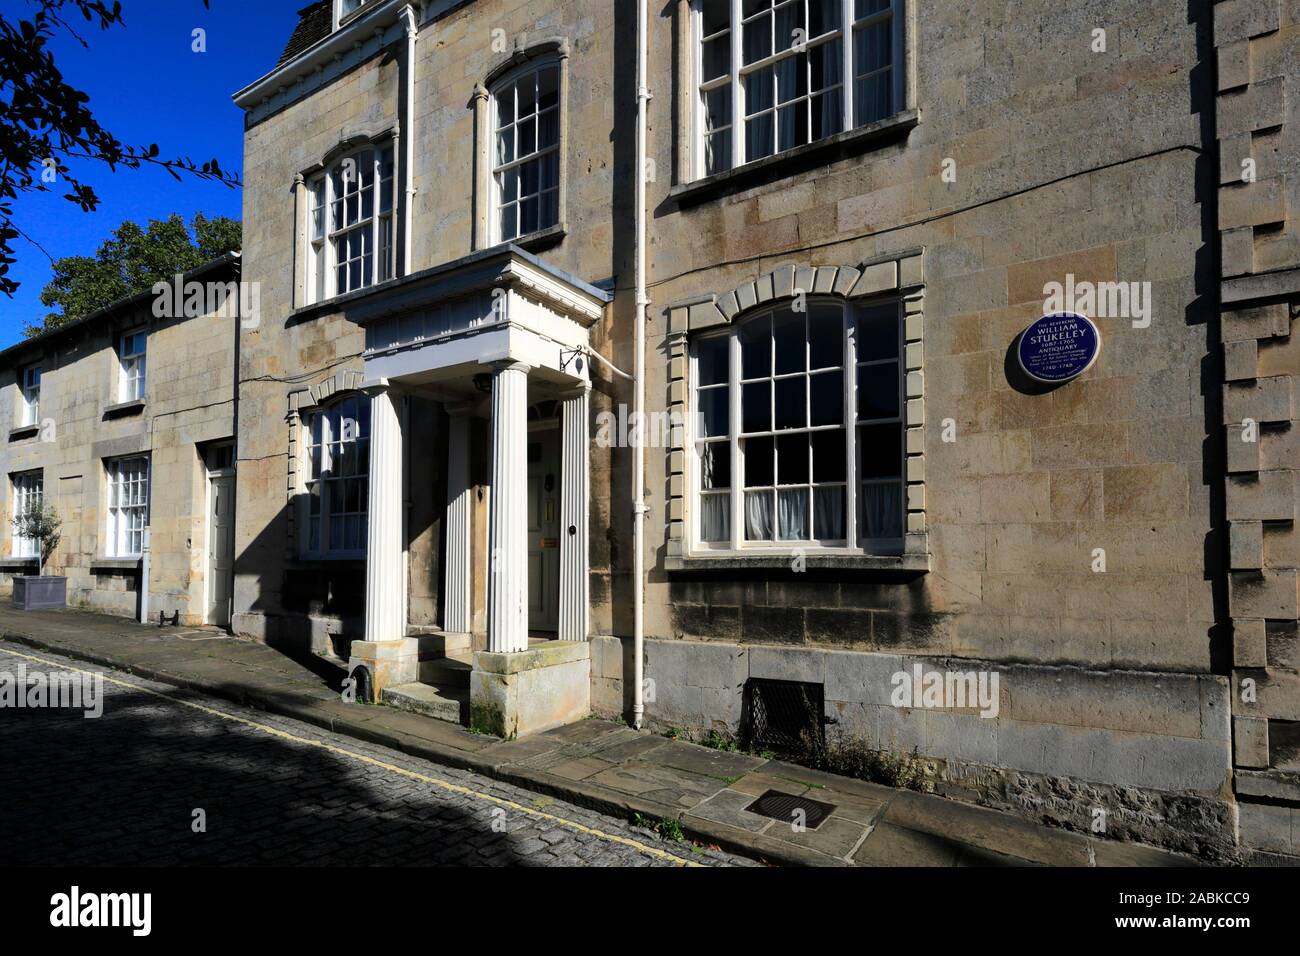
1059, 347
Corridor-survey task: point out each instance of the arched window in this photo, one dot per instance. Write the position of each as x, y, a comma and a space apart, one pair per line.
337, 472
798, 429
525, 144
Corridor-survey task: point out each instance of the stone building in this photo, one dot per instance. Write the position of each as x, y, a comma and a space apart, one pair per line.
124, 422
855, 211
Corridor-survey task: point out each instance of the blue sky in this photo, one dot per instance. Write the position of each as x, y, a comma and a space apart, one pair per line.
146, 85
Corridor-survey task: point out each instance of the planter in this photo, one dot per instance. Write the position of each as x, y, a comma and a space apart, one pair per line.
34, 592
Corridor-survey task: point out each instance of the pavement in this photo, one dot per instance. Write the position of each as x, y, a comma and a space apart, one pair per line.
594, 765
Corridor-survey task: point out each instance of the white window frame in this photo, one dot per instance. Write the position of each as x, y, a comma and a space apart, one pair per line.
28, 493
325, 235
133, 365
329, 439
498, 169
127, 503
30, 388
341, 14
844, 34
853, 542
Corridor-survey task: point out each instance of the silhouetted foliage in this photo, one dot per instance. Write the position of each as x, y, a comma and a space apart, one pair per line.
45, 121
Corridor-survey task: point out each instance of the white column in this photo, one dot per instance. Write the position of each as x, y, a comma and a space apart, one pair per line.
385, 597
574, 459
508, 511
456, 613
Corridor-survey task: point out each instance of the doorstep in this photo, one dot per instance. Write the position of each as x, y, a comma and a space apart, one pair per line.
601, 764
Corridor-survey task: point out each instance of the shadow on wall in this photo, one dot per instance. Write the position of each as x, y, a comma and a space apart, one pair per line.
314, 606
143, 769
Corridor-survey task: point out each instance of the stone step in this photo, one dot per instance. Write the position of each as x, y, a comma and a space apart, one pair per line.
432, 700
452, 671
434, 642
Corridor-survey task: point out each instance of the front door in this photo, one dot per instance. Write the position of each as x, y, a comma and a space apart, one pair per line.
221, 547
544, 530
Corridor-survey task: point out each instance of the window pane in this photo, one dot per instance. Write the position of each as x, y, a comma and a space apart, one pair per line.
758, 39
880, 448
758, 136
715, 412
711, 360
756, 348
717, 108
827, 114
758, 516
872, 98
823, 17
756, 407
715, 465
715, 518
877, 335
788, 335
717, 57
792, 125
548, 130
548, 88
716, 15
864, 8
792, 510
791, 403
717, 156
878, 391
882, 510
758, 462
826, 337
792, 460
828, 514
828, 455
827, 398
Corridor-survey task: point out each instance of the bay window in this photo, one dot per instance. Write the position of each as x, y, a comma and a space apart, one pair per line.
799, 430
351, 224
128, 506
772, 75
338, 484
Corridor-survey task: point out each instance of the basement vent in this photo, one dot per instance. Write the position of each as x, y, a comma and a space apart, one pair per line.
786, 807
784, 715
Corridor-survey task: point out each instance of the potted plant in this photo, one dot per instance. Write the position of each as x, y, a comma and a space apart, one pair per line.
40, 590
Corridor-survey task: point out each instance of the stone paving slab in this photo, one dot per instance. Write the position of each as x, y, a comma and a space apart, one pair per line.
603, 765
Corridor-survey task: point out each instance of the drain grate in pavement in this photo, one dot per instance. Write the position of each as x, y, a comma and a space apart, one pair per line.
784, 807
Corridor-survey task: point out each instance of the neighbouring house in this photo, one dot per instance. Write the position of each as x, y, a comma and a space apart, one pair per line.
124, 421
860, 516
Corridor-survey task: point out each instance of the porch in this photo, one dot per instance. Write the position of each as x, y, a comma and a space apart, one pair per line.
501, 341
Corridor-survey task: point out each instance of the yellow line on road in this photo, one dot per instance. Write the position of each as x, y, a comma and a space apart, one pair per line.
374, 762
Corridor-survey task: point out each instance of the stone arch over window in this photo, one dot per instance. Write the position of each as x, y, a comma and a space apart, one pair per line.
868, 290
521, 136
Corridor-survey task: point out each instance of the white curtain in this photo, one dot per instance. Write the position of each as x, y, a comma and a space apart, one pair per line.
715, 518
882, 511
793, 507
828, 514
758, 516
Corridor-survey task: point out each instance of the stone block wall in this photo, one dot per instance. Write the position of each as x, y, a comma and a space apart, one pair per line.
1258, 109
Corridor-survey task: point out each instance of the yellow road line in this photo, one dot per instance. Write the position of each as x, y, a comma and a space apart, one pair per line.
341, 751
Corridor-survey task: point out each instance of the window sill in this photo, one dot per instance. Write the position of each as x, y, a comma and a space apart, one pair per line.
800, 159
732, 561
124, 409
24, 431
541, 239
108, 565
16, 564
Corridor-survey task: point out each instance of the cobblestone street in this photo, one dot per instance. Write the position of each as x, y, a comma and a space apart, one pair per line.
124, 789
